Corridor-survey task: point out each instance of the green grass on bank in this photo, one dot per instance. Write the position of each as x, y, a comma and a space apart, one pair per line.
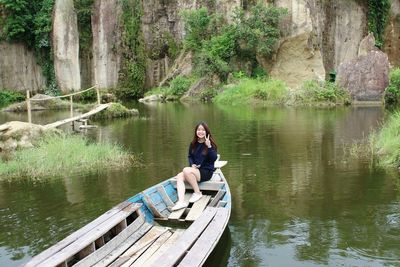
64, 154
248, 91
386, 142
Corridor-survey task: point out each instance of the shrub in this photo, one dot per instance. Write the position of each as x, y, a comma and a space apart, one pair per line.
315, 91
8, 97
392, 92
179, 86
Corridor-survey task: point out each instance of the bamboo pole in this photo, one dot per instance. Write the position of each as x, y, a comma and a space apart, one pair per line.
71, 109
98, 95
28, 106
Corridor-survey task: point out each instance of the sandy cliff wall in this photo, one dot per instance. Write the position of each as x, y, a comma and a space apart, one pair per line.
66, 46
106, 40
19, 70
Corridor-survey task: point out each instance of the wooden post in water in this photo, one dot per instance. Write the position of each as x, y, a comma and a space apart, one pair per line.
71, 110
98, 95
28, 106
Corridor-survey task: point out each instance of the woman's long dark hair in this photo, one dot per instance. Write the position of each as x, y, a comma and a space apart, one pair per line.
195, 138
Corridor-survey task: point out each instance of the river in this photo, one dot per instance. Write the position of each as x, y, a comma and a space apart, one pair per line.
299, 199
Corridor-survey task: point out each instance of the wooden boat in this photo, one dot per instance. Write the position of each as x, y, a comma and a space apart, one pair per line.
142, 231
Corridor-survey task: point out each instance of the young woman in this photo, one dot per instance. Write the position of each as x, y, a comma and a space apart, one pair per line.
202, 155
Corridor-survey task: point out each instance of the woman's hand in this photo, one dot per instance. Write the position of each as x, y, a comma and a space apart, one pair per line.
208, 142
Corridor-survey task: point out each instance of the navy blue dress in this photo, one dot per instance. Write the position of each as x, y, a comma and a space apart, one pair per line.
206, 161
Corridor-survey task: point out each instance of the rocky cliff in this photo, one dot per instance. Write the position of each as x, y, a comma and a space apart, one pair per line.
19, 69
318, 36
66, 46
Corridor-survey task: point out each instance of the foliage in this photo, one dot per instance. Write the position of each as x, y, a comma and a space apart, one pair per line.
133, 70
29, 22
197, 27
253, 90
179, 86
378, 13
115, 110
314, 91
259, 72
83, 10
215, 43
392, 92
387, 142
8, 97
259, 31
63, 154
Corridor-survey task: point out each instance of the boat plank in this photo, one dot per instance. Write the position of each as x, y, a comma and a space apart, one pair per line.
170, 242
217, 197
164, 195
176, 215
221, 204
207, 241
89, 237
140, 246
174, 253
151, 206
209, 185
121, 238
150, 251
197, 208
75, 235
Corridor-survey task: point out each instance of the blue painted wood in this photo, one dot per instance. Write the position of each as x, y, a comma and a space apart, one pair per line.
171, 191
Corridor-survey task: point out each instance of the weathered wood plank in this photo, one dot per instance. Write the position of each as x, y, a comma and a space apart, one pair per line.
176, 215
207, 241
140, 246
170, 242
75, 235
120, 239
217, 198
197, 208
174, 253
221, 204
151, 206
87, 114
209, 185
150, 251
165, 197
89, 237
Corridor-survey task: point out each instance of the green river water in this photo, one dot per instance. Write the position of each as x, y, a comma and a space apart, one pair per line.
298, 198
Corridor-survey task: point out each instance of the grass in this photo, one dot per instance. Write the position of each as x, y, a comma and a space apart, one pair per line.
314, 92
248, 91
386, 142
63, 154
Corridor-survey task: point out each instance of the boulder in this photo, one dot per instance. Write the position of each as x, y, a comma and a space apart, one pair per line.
52, 104
17, 134
151, 98
366, 76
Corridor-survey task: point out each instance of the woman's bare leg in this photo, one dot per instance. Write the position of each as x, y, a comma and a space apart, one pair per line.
180, 186
192, 175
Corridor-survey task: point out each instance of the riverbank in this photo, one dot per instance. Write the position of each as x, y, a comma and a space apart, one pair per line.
63, 154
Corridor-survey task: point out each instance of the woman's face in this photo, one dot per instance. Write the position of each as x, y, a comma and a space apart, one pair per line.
201, 132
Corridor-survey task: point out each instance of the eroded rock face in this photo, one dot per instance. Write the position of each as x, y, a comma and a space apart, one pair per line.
19, 70
366, 77
339, 27
106, 42
391, 45
298, 59
66, 46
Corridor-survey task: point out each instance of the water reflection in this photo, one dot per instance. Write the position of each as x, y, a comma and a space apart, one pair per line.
298, 200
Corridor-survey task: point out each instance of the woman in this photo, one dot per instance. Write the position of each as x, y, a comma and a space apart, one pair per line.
202, 155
